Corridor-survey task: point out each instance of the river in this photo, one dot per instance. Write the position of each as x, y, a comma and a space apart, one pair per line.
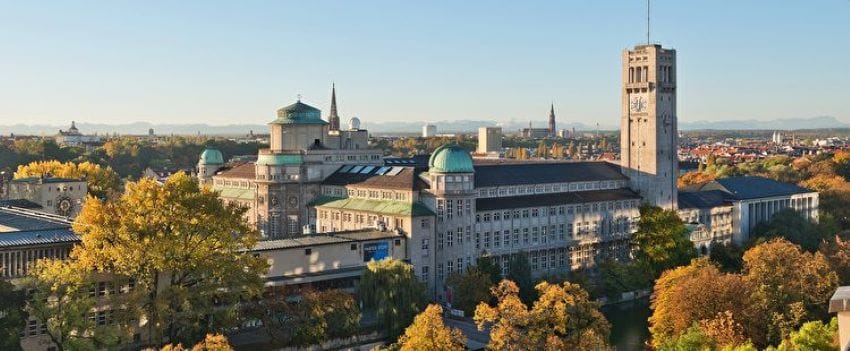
629, 325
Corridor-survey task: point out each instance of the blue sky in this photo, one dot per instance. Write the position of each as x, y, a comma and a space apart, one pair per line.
223, 62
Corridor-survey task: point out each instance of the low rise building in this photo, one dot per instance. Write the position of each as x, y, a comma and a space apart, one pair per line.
59, 196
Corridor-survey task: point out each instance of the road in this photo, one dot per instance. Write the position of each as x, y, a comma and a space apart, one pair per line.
475, 339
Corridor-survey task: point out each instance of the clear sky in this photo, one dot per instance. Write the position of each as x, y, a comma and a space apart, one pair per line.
222, 62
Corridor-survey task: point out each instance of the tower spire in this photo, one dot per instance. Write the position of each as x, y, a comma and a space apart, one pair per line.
552, 120
333, 119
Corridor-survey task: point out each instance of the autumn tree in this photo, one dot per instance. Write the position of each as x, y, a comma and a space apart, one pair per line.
662, 240
686, 295
542, 150
212, 342
61, 300
563, 318
812, 336
12, 316
469, 288
837, 252
185, 248
100, 180
391, 289
789, 286
429, 333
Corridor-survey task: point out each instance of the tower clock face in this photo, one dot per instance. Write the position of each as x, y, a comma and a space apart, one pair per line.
64, 206
637, 103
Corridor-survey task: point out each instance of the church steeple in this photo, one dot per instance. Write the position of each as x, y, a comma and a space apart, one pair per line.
333, 119
552, 121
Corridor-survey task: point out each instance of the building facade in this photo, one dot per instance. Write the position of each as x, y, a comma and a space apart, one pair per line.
489, 141
59, 196
648, 127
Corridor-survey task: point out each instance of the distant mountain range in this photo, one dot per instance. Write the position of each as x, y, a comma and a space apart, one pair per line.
821, 122
453, 126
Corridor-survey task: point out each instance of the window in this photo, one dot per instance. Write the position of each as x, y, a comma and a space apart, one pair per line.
486, 240
308, 252
424, 245
497, 216
497, 239
516, 237
525, 236
353, 247
506, 237
450, 267
487, 217
524, 213
425, 273
450, 241
535, 212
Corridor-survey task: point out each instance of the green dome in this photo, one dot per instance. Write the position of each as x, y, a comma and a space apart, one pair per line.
299, 113
450, 159
211, 156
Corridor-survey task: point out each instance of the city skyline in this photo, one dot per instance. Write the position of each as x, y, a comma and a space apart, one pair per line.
237, 63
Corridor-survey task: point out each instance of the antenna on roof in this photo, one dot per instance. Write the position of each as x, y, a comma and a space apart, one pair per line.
647, 22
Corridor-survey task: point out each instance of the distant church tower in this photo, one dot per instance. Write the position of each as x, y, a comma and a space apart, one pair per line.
552, 130
648, 128
333, 119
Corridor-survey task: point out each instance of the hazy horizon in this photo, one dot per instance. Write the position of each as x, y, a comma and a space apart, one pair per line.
235, 63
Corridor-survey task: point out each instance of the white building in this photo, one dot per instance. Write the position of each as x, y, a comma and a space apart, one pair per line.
429, 130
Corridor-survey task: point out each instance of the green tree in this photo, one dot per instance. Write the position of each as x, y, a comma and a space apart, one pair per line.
662, 239
469, 288
563, 318
12, 316
429, 333
619, 277
487, 266
519, 272
172, 238
728, 257
812, 336
325, 315
391, 289
790, 225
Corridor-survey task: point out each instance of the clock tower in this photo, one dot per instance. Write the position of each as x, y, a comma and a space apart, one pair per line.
648, 127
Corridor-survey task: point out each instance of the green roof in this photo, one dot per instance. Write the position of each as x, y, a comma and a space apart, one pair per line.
236, 193
450, 158
299, 113
377, 206
211, 156
280, 160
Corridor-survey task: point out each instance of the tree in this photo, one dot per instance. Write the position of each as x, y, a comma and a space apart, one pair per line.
686, 295
619, 277
563, 318
789, 286
172, 238
662, 239
789, 224
519, 271
487, 266
469, 288
727, 257
212, 342
429, 333
837, 252
812, 336
542, 150
61, 300
325, 315
390, 287
12, 316
100, 180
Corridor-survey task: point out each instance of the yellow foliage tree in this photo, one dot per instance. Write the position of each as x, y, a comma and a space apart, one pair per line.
184, 247
563, 318
100, 180
212, 342
429, 333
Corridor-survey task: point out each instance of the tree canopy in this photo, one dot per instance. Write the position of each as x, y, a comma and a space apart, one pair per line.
469, 288
662, 239
563, 318
391, 289
100, 180
13, 316
429, 333
172, 238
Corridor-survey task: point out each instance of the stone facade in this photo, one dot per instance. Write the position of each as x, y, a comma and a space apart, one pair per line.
648, 126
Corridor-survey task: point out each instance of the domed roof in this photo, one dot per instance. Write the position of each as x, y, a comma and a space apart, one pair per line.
299, 113
450, 158
211, 156
354, 123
